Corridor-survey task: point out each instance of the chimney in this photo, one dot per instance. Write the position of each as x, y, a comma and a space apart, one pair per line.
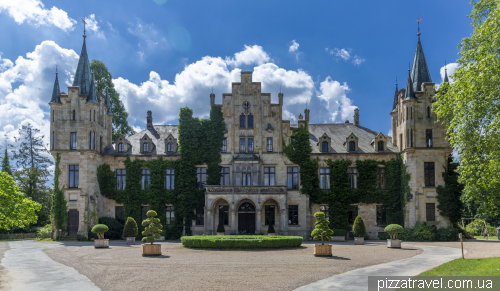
149, 120
280, 97
212, 99
306, 113
356, 116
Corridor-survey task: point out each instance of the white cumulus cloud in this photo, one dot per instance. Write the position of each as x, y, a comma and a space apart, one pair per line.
346, 55
294, 46
250, 55
337, 102
93, 26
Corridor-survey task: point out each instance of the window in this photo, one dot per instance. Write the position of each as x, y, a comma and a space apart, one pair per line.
428, 112
246, 177
145, 179
169, 179
90, 115
121, 148
324, 146
407, 138
250, 144
94, 115
270, 214
352, 146
224, 214
224, 177
73, 176
201, 178
429, 174
100, 144
428, 137
120, 214
293, 214
411, 112
121, 178
324, 178
170, 147
430, 211
144, 212
381, 178
91, 140
52, 115
170, 215
224, 146
269, 144
353, 213
407, 115
269, 176
242, 120
72, 145
381, 146
200, 216
53, 139
242, 145
401, 142
411, 137
326, 210
145, 147
293, 177
250, 120
74, 115
381, 217
353, 177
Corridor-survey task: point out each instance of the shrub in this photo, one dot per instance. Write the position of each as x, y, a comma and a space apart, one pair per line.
393, 230
475, 227
100, 229
241, 241
322, 231
383, 236
115, 227
447, 234
492, 230
45, 232
358, 227
420, 232
339, 232
152, 227
220, 227
130, 228
172, 232
270, 229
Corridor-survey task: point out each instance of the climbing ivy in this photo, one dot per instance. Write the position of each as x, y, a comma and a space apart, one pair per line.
59, 208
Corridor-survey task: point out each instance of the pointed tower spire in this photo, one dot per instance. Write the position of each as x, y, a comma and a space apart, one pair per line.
56, 92
82, 75
410, 94
108, 102
420, 72
395, 96
92, 95
445, 80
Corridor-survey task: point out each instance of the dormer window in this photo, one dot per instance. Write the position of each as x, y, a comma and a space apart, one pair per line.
324, 143
120, 147
324, 146
170, 147
250, 120
242, 120
381, 146
170, 144
145, 147
352, 146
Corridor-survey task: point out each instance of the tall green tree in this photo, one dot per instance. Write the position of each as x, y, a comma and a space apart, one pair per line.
59, 207
469, 106
104, 81
450, 204
6, 163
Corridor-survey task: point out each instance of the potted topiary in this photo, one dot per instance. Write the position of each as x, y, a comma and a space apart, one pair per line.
152, 230
220, 228
100, 230
359, 231
322, 232
393, 230
270, 229
130, 231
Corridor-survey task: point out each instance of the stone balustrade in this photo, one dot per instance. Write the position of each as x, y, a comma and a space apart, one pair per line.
246, 189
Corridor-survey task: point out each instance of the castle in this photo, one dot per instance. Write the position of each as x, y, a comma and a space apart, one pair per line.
259, 184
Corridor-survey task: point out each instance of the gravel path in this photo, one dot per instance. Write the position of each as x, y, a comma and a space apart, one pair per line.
478, 248
122, 267
4, 246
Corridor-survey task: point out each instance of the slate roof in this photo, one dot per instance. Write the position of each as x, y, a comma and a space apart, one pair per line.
56, 92
82, 74
419, 71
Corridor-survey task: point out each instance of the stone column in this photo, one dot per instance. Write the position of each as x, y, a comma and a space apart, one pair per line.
257, 221
284, 222
233, 224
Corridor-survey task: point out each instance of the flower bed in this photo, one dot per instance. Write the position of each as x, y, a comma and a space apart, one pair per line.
241, 241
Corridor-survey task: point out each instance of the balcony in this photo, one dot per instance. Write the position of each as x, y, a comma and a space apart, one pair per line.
246, 189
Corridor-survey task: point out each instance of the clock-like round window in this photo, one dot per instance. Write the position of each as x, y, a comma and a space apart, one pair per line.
246, 105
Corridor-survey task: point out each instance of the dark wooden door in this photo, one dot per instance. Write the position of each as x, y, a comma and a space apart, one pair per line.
73, 221
246, 222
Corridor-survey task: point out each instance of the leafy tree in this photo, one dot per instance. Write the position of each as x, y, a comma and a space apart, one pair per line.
469, 106
104, 81
6, 163
59, 207
152, 227
15, 209
322, 231
448, 196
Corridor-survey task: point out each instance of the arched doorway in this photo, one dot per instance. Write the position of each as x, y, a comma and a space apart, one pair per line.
246, 218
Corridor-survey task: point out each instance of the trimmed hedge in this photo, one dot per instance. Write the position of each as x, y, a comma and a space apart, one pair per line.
241, 241
339, 232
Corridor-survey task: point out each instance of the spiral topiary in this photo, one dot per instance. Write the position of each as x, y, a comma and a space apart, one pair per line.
100, 230
152, 227
393, 230
322, 231
130, 228
359, 228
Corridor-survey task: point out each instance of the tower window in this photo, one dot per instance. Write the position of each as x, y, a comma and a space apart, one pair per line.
269, 144
74, 115
94, 115
428, 137
121, 147
72, 144
169, 179
381, 146
407, 115
324, 146
242, 145
145, 147
352, 146
428, 112
411, 113
429, 178
411, 137
224, 146
90, 115
52, 115
250, 144
407, 138
53, 139
250, 120
242, 120
73, 176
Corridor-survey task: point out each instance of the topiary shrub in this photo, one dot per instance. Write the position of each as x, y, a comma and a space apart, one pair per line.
241, 241
358, 227
100, 230
115, 227
270, 228
322, 231
152, 227
130, 228
393, 230
420, 232
220, 227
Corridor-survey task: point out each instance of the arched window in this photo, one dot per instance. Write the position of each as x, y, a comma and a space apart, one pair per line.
145, 147
324, 146
380, 145
250, 120
247, 206
428, 112
74, 115
170, 147
120, 147
242, 120
352, 146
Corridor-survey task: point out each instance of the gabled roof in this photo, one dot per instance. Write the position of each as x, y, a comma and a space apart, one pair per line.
56, 92
82, 74
410, 93
420, 71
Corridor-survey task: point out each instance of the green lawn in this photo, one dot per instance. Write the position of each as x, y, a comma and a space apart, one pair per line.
489, 237
467, 267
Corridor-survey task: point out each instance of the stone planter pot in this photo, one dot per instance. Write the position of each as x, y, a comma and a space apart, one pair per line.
151, 250
101, 243
130, 240
338, 238
359, 240
273, 234
394, 243
322, 250
220, 233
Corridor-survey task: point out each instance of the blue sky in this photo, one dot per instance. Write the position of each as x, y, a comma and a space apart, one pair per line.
332, 55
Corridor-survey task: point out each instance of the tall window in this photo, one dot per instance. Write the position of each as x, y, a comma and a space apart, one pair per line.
145, 179
200, 216
94, 115
170, 215
401, 142
121, 178
246, 177
201, 178
352, 146
381, 146
144, 212
269, 176
353, 213
224, 146
270, 214
242, 120
429, 178
407, 115
250, 120
428, 112
100, 144
430, 211
53, 139
381, 178
428, 137
224, 214
411, 137
242, 145
293, 214
121, 148
120, 214
381, 216
353, 177
74, 115
324, 178
169, 179
324, 146
53, 115
73, 176
170, 147
91, 140
411, 112
224, 176
90, 115
326, 210
269, 144
293, 177
72, 144
250, 144
145, 147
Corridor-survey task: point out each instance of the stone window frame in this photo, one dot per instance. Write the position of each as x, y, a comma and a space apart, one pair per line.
354, 138
122, 140
269, 145
270, 174
381, 177
224, 146
353, 177
200, 216
293, 211
225, 176
171, 140
429, 174
169, 215
75, 170
324, 172
321, 140
121, 179
380, 212
380, 137
169, 179
249, 169
146, 140
295, 183
428, 215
